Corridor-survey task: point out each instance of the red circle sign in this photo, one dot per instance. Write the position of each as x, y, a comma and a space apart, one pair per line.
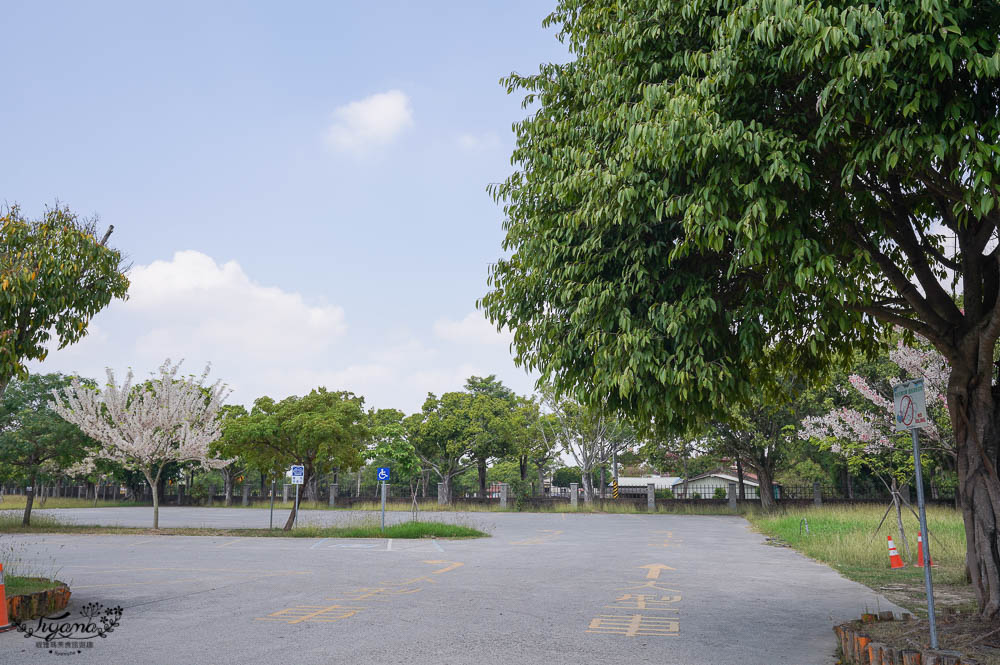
906, 405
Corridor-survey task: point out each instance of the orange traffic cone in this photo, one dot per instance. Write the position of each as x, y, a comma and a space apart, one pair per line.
895, 561
920, 552
5, 623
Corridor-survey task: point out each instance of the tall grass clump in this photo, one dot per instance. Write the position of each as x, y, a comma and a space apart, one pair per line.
844, 537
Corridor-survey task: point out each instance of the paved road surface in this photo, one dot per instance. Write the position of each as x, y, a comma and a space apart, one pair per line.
545, 588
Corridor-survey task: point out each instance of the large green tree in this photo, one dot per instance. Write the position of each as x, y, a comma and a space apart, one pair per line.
494, 414
707, 182
33, 437
445, 434
321, 431
55, 275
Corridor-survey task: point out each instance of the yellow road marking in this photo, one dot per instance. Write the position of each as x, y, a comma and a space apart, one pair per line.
231, 542
631, 625
453, 566
313, 613
655, 569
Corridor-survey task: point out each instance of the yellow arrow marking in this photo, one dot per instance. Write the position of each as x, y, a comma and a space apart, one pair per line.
453, 566
654, 570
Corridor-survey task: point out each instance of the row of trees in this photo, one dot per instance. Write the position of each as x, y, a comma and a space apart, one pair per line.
51, 425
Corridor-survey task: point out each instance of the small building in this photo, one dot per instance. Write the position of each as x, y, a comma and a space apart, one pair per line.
659, 482
705, 485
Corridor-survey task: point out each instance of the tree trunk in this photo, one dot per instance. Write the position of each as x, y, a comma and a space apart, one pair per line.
427, 481
358, 494
446, 487
481, 466
227, 486
541, 480
522, 462
604, 482
588, 487
154, 484
739, 479
28, 501
848, 483
291, 516
684, 473
973, 408
765, 488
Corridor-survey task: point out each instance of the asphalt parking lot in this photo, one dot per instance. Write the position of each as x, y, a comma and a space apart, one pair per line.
544, 588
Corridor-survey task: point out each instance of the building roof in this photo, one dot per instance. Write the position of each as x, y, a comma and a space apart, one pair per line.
747, 480
659, 482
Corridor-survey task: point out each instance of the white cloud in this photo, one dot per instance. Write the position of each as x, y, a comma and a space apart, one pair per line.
473, 329
368, 122
265, 340
193, 299
479, 142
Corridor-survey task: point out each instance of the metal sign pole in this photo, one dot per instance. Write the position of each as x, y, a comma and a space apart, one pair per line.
927, 540
295, 522
272, 504
383, 506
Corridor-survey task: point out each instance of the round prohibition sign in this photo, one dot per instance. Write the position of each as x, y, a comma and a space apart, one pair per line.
906, 406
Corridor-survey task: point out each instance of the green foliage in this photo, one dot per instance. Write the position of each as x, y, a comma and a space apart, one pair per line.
719, 493
54, 277
321, 431
665, 493
706, 181
34, 438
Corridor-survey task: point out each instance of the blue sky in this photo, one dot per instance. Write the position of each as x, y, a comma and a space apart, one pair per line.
301, 186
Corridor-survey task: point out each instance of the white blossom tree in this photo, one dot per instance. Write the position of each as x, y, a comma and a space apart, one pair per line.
867, 437
144, 426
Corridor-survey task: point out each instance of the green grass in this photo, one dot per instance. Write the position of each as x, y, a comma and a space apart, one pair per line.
17, 502
11, 524
842, 536
16, 586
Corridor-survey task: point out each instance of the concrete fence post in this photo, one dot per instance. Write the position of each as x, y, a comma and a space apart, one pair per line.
334, 488
817, 494
650, 497
734, 494
574, 494
284, 493
442, 496
246, 493
503, 495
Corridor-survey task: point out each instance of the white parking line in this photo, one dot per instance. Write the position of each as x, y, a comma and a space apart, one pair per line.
388, 545
437, 546
318, 543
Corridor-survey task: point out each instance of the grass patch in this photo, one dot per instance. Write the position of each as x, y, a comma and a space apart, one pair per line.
16, 585
370, 529
17, 502
843, 537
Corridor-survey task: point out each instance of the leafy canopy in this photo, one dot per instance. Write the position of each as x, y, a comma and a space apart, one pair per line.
54, 277
712, 186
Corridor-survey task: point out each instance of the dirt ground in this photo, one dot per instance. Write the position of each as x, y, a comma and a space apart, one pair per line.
962, 632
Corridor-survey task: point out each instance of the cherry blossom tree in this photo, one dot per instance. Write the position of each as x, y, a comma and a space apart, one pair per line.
142, 427
867, 436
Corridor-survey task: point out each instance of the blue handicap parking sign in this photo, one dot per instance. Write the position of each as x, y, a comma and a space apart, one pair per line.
383, 474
